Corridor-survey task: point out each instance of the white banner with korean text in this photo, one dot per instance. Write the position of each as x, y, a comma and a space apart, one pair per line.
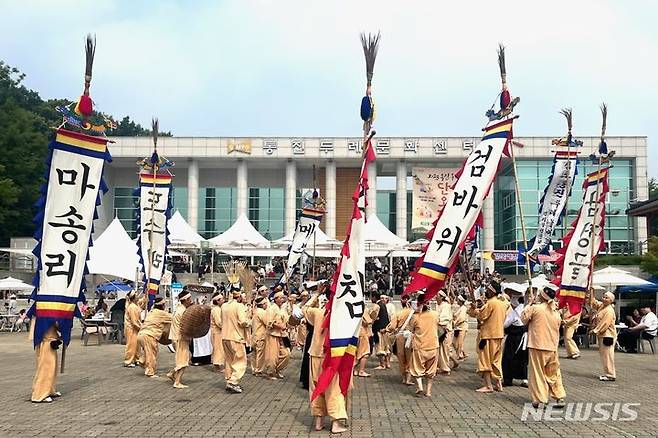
154, 205
462, 210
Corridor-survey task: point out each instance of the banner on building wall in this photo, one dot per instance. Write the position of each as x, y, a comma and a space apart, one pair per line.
578, 252
431, 188
64, 228
154, 212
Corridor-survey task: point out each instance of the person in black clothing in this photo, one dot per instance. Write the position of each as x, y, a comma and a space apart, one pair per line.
382, 347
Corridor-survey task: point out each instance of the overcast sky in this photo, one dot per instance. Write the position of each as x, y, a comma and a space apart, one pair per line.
295, 68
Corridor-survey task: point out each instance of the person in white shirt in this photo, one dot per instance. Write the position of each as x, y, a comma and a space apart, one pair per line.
645, 329
515, 354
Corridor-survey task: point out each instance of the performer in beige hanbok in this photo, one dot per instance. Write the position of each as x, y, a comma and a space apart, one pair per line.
460, 327
491, 318
603, 326
425, 346
444, 309
132, 323
235, 327
332, 402
363, 350
277, 354
398, 325
216, 332
181, 343
544, 376
45, 377
571, 323
258, 336
156, 322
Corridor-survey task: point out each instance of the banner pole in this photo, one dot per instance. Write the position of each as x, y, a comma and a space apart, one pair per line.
521, 217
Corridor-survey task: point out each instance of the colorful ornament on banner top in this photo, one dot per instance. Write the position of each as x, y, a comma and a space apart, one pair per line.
153, 213
81, 114
66, 211
454, 227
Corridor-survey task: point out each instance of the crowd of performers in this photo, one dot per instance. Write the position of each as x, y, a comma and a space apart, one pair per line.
517, 340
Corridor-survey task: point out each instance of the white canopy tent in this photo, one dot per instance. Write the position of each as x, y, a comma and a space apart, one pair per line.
613, 277
241, 234
181, 234
114, 253
14, 284
377, 236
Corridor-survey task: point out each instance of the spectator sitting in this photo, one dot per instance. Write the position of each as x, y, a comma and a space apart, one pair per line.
646, 329
23, 322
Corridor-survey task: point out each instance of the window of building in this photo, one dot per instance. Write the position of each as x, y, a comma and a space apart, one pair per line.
217, 210
267, 211
125, 207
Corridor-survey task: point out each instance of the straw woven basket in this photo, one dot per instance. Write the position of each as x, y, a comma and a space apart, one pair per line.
196, 321
164, 337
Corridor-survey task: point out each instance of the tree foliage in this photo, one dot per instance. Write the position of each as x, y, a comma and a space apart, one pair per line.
26, 123
649, 261
653, 188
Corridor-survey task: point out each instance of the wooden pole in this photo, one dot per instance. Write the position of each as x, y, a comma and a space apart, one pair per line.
467, 275
61, 365
518, 202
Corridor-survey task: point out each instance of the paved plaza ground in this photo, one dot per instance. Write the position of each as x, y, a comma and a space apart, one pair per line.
101, 398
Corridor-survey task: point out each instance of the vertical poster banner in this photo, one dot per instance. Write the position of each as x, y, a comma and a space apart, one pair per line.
431, 188
154, 212
64, 228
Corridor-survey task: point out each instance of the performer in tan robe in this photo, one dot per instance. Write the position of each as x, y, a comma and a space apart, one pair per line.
444, 310
156, 322
258, 336
235, 325
45, 377
216, 332
570, 325
132, 323
606, 334
491, 318
424, 346
332, 402
397, 327
544, 376
300, 336
277, 355
460, 327
181, 344
363, 345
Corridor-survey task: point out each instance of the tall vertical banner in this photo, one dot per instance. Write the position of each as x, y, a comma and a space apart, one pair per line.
556, 194
64, 228
462, 211
346, 303
431, 188
307, 224
578, 252
154, 213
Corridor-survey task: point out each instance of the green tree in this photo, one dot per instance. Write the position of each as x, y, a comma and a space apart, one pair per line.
649, 261
653, 188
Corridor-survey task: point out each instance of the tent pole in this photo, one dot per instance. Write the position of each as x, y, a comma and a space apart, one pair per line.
390, 272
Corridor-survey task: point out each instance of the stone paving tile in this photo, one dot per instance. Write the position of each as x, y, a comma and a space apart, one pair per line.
103, 399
